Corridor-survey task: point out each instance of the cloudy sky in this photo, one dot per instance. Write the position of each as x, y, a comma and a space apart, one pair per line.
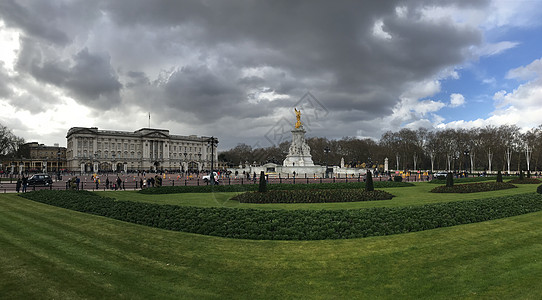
236, 69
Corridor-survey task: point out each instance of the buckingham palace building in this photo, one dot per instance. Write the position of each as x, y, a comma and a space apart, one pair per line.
92, 150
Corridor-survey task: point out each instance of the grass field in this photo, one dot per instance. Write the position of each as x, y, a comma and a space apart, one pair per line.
48, 252
405, 196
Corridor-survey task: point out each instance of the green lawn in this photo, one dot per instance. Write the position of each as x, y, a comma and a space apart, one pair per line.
405, 196
48, 252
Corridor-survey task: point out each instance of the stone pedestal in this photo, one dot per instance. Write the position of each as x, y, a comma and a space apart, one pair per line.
299, 154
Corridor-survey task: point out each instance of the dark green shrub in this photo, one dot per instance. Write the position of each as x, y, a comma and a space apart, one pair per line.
539, 189
262, 187
473, 187
285, 224
313, 196
369, 186
499, 176
525, 181
449, 180
397, 178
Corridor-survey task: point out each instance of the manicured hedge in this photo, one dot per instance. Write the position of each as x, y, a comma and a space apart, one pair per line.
474, 187
313, 196
280, 186
464, 180
294, 224
525, 181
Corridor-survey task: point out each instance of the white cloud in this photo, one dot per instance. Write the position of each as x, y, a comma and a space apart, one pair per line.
521, 107
456, 100
496, 48
9, 39
528, 72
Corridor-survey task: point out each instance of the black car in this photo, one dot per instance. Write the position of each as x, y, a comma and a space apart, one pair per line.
40, 179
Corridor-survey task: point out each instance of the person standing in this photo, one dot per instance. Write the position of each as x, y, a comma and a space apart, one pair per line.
18, 185
24, 183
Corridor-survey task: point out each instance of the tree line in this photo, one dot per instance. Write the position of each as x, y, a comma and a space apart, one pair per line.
9, 142
490, 148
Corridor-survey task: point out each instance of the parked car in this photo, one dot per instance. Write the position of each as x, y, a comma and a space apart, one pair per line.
40, 179
441, 175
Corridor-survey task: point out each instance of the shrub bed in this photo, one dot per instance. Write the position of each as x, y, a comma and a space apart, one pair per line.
312, 196
474, 187
293, 224
525, 181
270, 187
464, 180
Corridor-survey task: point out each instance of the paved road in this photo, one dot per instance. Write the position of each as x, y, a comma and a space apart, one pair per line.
133, 181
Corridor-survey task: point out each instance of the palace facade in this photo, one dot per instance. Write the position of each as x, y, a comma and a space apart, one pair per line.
34, 157
92, 150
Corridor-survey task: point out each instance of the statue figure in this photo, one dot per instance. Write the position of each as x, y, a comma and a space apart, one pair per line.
298, 117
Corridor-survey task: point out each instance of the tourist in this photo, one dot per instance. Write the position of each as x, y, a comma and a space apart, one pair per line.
24, 183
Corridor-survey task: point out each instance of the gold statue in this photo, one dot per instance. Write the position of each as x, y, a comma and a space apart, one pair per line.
298, 117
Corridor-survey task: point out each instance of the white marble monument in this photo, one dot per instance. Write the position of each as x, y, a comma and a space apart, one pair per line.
299, 154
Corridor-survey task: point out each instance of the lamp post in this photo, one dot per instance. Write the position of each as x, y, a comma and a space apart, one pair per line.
212, 142
95, 169
113, 162
326, 151
58, 164
186, 162
466, 153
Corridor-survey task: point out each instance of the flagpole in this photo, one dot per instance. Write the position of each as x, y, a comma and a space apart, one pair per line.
149, 120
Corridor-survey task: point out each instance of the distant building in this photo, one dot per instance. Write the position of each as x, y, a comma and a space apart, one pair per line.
34, 157
93, 150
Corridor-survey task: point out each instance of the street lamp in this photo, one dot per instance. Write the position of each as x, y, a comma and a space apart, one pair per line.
95, 162
466, 153
113, 155
326, 151
212, 142
58, 165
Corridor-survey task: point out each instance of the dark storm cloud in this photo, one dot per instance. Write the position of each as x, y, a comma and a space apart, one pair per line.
88, 77
310, 39
35, 21
196, 61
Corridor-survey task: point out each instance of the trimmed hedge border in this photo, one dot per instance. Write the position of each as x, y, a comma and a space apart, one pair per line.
525, 181
270, 187
313, 196
293, 224
474, 187
464, 180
